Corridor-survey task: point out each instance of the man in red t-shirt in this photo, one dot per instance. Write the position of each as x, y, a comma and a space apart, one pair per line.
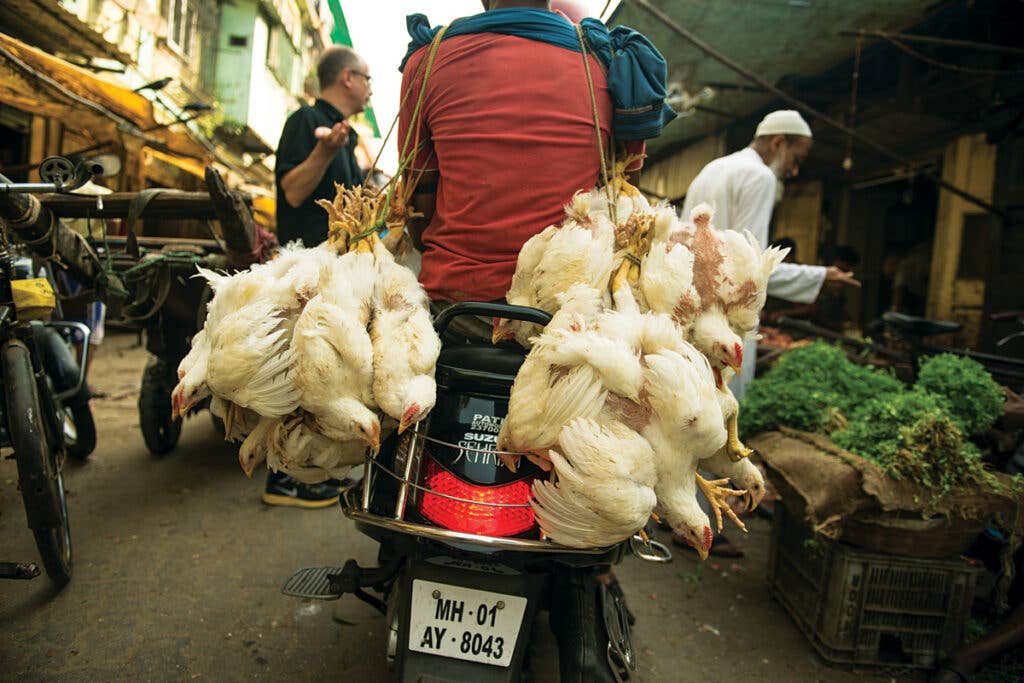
507, 136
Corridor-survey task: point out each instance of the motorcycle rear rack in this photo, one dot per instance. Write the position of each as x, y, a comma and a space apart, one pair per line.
360, 512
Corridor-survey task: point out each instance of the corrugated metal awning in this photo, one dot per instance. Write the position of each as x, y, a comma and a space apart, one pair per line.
51, 27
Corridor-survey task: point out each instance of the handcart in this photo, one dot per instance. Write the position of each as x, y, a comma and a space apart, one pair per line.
148, 280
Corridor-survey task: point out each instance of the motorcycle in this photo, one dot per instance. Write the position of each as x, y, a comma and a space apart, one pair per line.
463, 570
44, 402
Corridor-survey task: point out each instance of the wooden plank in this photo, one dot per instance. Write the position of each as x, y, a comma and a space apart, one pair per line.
237, 226
798, 217
970, 162
170, 243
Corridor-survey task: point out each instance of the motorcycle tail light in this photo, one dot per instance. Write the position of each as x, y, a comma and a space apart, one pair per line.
474, 516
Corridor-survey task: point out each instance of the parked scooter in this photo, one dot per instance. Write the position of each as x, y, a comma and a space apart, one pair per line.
44, 403
463, 570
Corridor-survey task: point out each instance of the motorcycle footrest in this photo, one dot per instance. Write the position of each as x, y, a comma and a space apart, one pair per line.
313, 583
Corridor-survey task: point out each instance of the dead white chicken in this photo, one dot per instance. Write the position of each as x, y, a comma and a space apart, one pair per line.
568, 374
405, 345
333, 367
743, 473
251, 361
242, 423
603, 489
550, 263
292, 445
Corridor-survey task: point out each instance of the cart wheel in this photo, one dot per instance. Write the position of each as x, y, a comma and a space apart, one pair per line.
159, 431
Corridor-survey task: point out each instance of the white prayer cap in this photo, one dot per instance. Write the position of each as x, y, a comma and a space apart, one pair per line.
783, 122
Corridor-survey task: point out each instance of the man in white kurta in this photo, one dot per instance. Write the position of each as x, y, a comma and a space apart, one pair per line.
742, 188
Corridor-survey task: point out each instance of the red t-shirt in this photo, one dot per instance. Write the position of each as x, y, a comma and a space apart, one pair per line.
508, 122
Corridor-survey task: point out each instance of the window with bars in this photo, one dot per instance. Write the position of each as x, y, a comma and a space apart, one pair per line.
281, 58
181, 16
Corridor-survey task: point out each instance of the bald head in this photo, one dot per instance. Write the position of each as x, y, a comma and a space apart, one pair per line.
333, 61
344, 79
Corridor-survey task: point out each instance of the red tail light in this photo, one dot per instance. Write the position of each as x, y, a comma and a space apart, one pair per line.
475, 517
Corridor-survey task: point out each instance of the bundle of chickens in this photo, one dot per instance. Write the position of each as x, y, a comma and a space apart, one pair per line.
312, 358
623, 395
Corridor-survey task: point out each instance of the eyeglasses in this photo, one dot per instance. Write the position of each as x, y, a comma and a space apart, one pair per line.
360, 73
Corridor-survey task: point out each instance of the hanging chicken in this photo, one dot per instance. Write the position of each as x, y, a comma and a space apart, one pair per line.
306, 354
620, 358
405, 346
550, 263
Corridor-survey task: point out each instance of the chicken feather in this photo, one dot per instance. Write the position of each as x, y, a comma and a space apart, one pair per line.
601, 462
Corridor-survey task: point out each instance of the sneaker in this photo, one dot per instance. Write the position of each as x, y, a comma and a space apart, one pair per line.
284, 490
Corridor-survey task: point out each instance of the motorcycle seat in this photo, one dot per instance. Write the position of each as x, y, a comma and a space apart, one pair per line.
919, 327
478, 366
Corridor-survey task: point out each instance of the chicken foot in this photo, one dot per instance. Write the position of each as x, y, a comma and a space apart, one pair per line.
229, 419
733, 446
717, 493
621, 277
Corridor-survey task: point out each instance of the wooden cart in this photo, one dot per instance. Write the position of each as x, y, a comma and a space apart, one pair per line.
159, 296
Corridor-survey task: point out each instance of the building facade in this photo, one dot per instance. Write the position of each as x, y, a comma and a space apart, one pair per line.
169, 85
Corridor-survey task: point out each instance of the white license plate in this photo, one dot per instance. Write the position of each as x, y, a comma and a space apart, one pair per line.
464, 623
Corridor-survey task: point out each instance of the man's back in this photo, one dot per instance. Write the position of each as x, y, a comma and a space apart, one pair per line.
308, 221
737, 186
509, 122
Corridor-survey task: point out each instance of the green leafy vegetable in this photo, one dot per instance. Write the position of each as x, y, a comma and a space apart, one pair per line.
975, 399
811, 388
920, 435
910, 435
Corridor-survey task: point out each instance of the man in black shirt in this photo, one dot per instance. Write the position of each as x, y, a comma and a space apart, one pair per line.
316, 147
315, 151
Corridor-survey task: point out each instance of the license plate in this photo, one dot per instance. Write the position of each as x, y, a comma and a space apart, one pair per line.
464, 623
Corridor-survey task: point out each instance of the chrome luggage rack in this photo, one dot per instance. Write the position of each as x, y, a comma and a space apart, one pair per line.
355, 504
409, 454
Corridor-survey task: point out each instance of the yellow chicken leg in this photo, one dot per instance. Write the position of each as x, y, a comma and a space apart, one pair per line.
717, 493
733, 446
634, 274
621, 277
229, 419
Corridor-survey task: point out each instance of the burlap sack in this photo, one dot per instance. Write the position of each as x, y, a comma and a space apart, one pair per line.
827, 487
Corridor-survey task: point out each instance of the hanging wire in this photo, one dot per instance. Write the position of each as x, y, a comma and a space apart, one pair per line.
945, 65
852, 116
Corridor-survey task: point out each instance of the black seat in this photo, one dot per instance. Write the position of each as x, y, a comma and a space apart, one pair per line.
482, 367
919, 327
478, 366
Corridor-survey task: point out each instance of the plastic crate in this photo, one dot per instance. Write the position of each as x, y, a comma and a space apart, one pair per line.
868, 609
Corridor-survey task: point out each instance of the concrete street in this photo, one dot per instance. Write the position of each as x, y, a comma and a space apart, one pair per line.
178, 566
